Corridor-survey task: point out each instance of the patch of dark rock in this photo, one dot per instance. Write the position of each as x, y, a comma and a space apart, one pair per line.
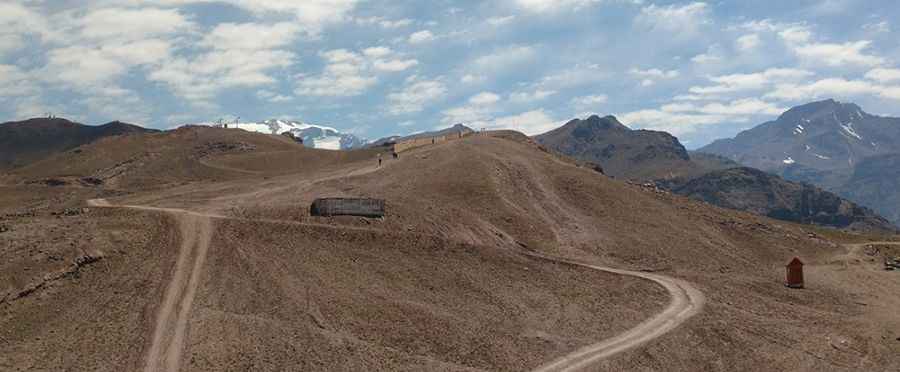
73, 270
53, 182
91, 181
223, 147
71, 212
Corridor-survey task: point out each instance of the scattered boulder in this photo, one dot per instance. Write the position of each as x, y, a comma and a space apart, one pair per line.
4, 228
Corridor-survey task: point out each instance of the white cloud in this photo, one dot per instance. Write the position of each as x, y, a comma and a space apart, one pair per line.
384, 23
685, 117
588, 101
484, 98
713, 54
415, 95
118, 103
311, 15
684, 20
797, 34
131, 24
395, 65
648, 77
500, 21
472, 79
850, 53
763, 25
748, 42
348, 73
15, 82
18, 21
525, 97
345, 75
753, 81
82, 66
799, 40
747, 106
575, 76
531, 122
505, 57
201, 78
421, 37
884, 75
654, 73
832, 87
878, 28
35, 106
481, 116
538, 6
273, 97
250, 36
377, 52
674, 123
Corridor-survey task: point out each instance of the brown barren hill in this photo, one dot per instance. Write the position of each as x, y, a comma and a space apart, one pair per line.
27, 141
449, 279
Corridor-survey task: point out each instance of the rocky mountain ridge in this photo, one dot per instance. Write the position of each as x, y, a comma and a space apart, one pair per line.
836, 146
658, 157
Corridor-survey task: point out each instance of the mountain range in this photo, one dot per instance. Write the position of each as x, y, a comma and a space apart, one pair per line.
658, 157
27, 141
314, 136
834, 145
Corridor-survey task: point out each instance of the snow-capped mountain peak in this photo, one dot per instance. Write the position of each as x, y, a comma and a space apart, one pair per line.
315, 136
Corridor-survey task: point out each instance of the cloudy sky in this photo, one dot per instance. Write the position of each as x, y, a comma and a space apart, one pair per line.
701, 70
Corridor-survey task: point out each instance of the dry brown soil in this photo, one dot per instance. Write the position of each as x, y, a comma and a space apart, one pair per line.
227, 271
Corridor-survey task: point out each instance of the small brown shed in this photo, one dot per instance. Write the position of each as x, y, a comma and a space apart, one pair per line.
794, 274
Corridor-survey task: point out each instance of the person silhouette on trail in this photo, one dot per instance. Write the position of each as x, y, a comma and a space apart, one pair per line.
379, 159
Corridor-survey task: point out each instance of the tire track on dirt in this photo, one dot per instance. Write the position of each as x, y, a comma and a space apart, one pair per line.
687, 301
196, 228
173, 315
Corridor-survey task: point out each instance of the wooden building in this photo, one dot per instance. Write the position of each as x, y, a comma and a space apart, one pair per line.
794, 274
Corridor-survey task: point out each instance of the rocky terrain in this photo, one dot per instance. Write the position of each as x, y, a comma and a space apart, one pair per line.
212, 262
755, 191
836, 146
659, 158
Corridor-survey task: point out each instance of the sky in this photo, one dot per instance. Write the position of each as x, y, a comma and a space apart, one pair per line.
699, 70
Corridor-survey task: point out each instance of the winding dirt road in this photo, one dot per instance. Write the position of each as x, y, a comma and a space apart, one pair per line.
687, 301
196, 230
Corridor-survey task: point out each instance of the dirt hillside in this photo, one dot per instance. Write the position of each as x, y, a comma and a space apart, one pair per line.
442, 283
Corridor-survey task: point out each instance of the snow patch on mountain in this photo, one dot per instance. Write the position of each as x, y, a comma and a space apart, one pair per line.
314, 136
848, 128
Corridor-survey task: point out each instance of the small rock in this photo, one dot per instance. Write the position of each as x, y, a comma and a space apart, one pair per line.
4, 228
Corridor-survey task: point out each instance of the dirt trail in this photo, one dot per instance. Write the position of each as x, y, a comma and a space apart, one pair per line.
173, 315
687, 301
